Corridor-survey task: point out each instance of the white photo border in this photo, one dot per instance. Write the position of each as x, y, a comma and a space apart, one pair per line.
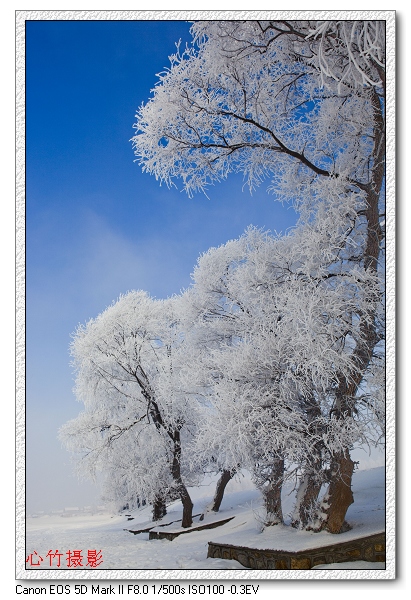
141, 575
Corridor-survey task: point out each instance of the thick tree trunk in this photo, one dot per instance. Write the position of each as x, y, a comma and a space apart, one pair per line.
187, 507
220, 488
272, 494
339, 496
226, 476
181, 488
307, 496
159, 509
313, 477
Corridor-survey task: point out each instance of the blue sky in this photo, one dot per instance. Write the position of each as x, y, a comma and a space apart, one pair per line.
96, 226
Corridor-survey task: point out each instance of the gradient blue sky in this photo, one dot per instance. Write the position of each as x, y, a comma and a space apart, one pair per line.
96, 226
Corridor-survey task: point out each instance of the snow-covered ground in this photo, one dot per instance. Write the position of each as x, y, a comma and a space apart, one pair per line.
121, 550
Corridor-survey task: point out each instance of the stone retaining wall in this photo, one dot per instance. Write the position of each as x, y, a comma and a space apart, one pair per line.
370, 549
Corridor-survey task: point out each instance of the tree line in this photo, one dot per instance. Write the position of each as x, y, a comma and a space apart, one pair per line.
273, 359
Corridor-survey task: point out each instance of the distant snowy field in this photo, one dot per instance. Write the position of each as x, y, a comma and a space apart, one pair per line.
122, 550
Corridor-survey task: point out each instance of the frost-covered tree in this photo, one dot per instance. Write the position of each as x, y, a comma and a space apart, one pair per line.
268, 343
136, 418
300, 103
